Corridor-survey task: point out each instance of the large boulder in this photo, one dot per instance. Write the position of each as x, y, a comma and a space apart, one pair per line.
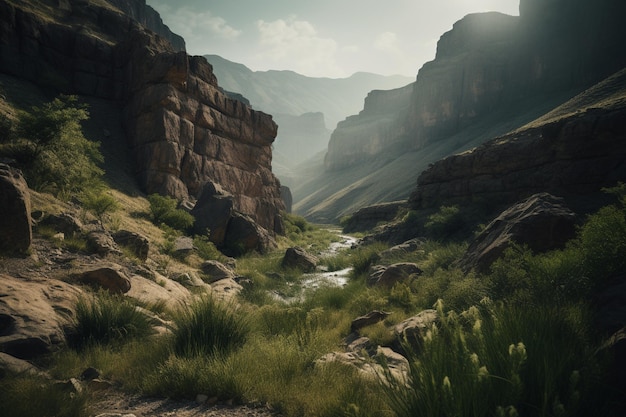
245, 235
414, 329
212, 212
217, 271
298, 258
33, 314
15, 221
542, 222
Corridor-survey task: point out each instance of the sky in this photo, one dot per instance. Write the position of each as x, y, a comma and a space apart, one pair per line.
321, 38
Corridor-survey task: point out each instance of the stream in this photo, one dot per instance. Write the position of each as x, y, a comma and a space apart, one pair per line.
321, 278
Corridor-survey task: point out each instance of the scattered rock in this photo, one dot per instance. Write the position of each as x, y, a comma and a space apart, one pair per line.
402, 249
217, 270
65, 223
137, 243
245, 235
542, 222
368, 319
297, 257
183, 246
102, 243
14, 365
159, 289
110, 277
15, 221
387, 276
413, 329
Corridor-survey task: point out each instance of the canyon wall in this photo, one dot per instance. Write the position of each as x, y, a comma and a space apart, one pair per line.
182, 129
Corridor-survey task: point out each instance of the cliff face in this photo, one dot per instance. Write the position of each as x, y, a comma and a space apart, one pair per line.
183, 131
491, 62
372, 132
572, 152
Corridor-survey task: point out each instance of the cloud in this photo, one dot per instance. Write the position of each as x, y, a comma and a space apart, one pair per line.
196, 27
295, 44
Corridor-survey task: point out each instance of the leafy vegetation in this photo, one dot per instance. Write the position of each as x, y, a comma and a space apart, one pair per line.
48, 144
164, 211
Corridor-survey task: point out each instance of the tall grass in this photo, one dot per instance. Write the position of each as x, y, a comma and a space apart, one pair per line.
208, 327
106, 318
501, 360
28, 396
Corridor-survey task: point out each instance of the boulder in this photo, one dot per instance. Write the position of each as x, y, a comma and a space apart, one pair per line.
368, 319
395, 364
387, 276
402, 249
369, 217
101, 242
414, 329
217, 270
212, 212
183, 246
542, 222
15, 221
298, 258
245, 235
137, 243
110, 277
65, 223
158, 290
33, 314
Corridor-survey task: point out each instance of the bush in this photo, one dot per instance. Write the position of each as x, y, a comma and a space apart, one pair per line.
99, 203
54, 154
445, 223
106, 319
208, 328
164, 211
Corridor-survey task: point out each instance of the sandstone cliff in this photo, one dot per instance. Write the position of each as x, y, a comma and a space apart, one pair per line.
182, 129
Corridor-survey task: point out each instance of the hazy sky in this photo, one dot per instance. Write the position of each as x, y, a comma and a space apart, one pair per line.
321, 38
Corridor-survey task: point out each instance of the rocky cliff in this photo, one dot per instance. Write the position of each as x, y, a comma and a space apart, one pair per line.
492, 74
182, 129
572, 152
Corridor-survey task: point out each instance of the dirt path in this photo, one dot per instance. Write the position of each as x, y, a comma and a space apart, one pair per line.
115, 404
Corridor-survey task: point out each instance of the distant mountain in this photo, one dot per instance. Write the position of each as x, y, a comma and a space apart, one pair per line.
492, 74
306, 109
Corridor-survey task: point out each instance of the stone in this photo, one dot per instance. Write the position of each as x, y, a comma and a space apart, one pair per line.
13, 365
370, 318
542, 222
15, 221
89, 374
217, 270
245, 235
388, 276
110, 277
183, 245
298, 258
212, 212
33, 314
414, 329
102, 243
159, 290
137, 243
402, 249
65, 223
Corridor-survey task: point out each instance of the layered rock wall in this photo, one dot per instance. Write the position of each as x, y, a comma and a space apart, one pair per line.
573, 157
183, 130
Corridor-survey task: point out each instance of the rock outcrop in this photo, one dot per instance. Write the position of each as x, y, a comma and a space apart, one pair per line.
572, 152
15, 221
542, 222
297, 257
369, 217
182, 129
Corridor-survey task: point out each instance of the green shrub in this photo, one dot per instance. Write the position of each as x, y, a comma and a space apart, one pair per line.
106, 319
53, 151
208, 327
445, 223
99, 202
501, 361
365, 256
163, 209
